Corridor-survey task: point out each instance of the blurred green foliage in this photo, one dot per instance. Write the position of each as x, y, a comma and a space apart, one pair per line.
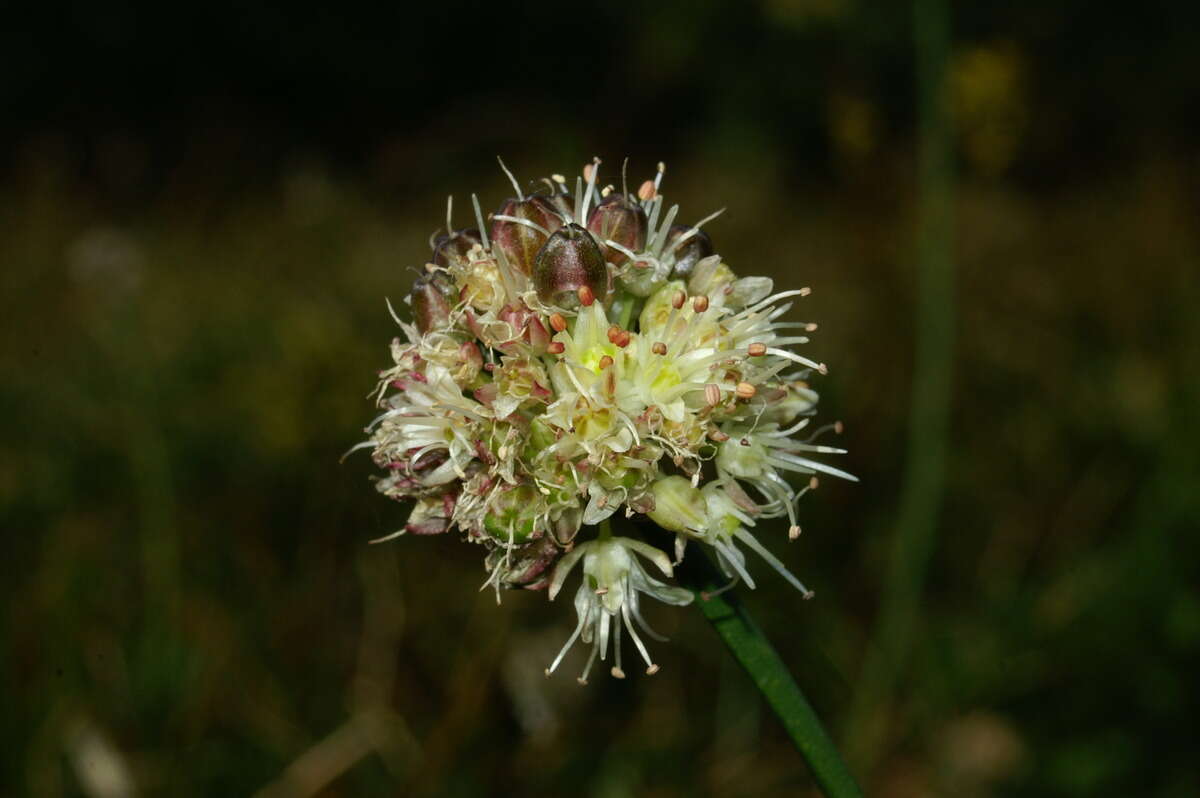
193, 261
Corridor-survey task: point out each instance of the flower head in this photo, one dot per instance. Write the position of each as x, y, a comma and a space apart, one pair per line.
580, 354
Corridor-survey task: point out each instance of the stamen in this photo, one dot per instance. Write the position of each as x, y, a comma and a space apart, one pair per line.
646, 192
678, 299
745, 390
700, 304
586, 295
511, 179
605, 362
756, 350
659, 348
712, 394
555, 347
557, 322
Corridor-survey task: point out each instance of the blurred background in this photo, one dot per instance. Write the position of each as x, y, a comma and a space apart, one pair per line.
203, 207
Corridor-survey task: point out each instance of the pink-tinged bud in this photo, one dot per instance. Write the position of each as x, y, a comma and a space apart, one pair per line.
618, 219
520, 242
454, 247
539, 336
688, 253
570, 261
430, 308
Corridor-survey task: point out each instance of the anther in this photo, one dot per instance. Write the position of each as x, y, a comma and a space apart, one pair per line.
678, 300
805, 291
837, 428
653, 669
793, 532
754, 350
623, 339
588, 169
613, 332
822, 368
717, 435
745, 390
558, 322
813, 482
600, 591
555, 347
618, 673
606, 361
700, 304
810, 327
581, 680
547, 672
586, 295
646, 192
659, 348
712, 394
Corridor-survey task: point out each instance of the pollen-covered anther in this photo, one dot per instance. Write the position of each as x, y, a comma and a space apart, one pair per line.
717, 435
793, 532
756, 349
745, 390
623, 339
813, 483
646, 191
556, 347
811, 327
653, 669
613, 332
712, 394
700, 304
617, 673
586, 296
659, 348
678, 299
557, 322
805, 291
822, 369
837, 428
606, 361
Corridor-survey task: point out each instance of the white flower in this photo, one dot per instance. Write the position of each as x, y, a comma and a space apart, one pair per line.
609, 596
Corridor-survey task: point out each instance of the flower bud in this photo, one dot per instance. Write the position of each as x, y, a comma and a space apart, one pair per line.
710, 275
512, 515
430, 308
454, 247
569, 260
688, 252
618, 219
678, 507
519, 242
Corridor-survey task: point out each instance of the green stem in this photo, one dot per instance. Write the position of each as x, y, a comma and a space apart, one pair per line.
924, 477
758, 657
605, 530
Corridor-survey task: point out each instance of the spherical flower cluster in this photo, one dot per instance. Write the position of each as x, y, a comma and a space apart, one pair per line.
580, 355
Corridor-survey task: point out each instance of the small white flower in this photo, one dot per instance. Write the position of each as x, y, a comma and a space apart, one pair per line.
609, 596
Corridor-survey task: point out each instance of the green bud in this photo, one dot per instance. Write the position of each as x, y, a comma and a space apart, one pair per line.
568, 261
512, 515
678, 507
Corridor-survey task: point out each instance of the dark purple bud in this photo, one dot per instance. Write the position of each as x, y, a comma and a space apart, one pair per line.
429, 305
570, 260
454, 247
521, 242
688, 253
618, 219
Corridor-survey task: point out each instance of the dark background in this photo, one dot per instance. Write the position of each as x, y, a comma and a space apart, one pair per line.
202, 209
